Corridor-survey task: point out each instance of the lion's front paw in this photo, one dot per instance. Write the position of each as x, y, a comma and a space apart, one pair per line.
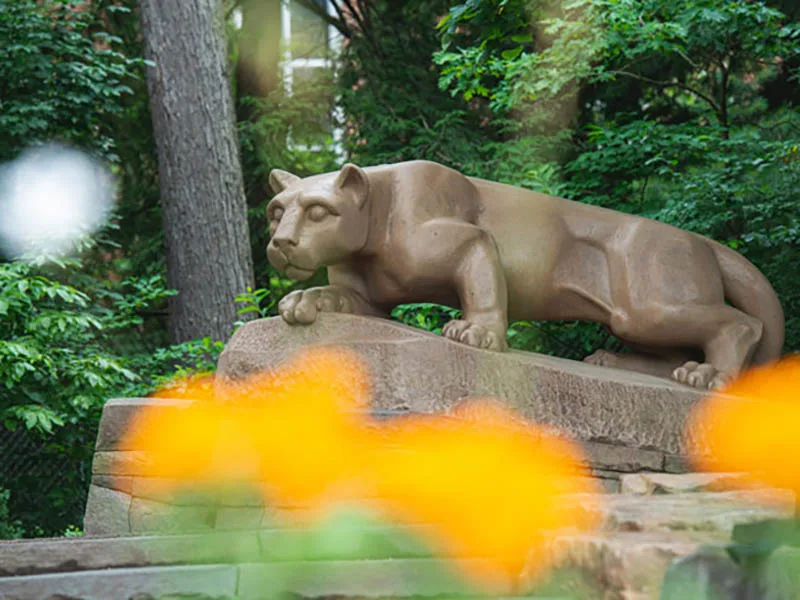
302, 306
475, 335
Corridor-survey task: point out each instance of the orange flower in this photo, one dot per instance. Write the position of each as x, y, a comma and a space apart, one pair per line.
753, 426
489, 485
295, 428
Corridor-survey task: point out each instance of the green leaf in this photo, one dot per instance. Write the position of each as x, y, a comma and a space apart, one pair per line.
512, 54
522, 38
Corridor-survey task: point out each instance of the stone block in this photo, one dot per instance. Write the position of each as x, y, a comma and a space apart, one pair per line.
174, 492
121, 584
149, 516
667, 483
714, 513
422, 372
609, 485
623, 565
117, 415
120, 463
107, 512
622, 458
238, 517
676, 464
122, 483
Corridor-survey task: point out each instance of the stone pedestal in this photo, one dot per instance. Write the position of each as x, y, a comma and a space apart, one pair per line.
631, 427
626, 422
630, 421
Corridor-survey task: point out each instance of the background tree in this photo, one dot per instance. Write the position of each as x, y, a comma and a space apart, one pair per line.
206, 237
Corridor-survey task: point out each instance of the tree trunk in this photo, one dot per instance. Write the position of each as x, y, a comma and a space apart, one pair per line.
209, 258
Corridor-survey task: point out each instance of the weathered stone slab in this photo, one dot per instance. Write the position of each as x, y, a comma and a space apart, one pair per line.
622, 458
676, 464
422, 372
626, 565
667, 483
28, 557
121, 584
715, 513
106, 512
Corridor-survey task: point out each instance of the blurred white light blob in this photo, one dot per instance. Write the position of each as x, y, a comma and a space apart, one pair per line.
51, 196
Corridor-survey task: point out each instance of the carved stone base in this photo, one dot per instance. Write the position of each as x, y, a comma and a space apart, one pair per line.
627, 423
639, 419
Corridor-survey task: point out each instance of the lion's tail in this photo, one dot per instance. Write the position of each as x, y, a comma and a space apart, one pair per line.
747, 289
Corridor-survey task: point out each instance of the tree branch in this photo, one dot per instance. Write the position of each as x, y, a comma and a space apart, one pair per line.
340, 24
363, 26
677, 84
693, 64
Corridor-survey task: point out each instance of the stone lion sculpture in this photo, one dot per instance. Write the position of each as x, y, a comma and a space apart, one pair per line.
688, 307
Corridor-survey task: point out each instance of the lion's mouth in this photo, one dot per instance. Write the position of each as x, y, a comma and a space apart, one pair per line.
297, 273
281, 262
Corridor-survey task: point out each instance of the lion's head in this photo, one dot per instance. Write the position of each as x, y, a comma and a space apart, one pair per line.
316, 221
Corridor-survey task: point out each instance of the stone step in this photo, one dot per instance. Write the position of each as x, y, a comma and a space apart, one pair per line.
626, 558
620, 565
612, 566
715, 513
648, 483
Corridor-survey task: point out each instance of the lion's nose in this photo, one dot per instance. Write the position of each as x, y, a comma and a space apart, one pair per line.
284, 243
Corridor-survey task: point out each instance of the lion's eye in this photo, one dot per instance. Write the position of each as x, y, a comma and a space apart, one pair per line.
277, 213
317, 212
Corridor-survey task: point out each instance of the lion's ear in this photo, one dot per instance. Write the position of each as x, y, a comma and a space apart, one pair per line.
280, 180
354, 180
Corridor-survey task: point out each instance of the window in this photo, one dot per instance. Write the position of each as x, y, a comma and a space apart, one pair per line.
309, 44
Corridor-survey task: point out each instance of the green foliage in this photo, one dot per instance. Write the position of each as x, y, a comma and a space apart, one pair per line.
9, 529
389, 92
660, 109
425, 315
62, 76
52, 363
263, 302
65, 351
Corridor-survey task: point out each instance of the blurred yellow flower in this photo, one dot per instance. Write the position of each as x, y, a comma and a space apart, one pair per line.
752, 426
488, 485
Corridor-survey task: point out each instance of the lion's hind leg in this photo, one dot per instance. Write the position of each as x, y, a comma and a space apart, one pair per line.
668, 292
639, 362
726, 336
727, 350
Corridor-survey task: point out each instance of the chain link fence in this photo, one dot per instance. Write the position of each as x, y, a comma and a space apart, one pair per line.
47, 477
